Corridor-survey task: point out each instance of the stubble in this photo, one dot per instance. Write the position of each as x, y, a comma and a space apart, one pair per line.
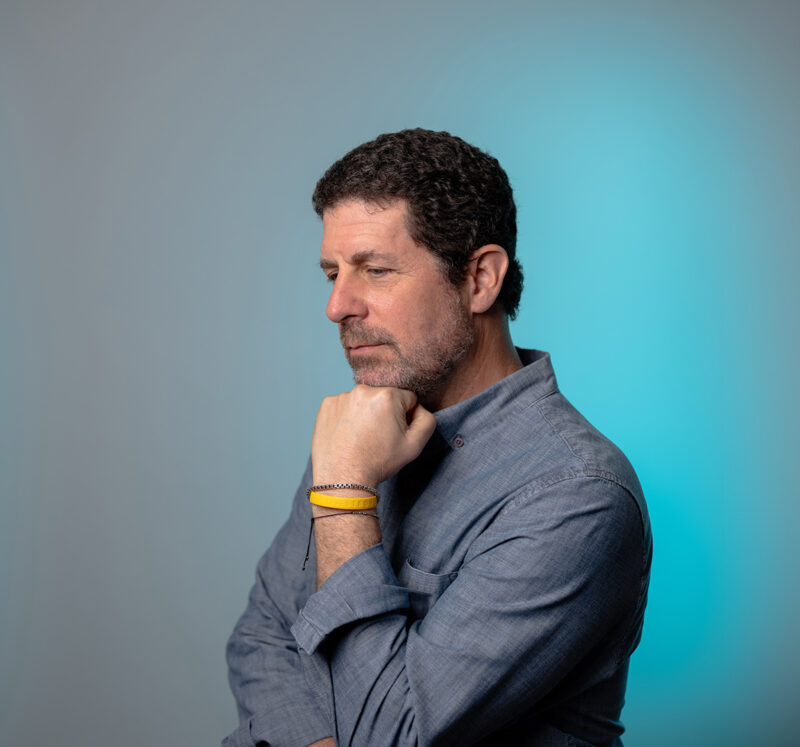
424, 366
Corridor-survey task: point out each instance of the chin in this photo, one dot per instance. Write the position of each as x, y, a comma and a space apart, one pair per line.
373, 372
374, 378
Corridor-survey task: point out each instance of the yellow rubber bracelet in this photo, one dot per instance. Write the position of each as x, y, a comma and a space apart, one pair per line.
336, 501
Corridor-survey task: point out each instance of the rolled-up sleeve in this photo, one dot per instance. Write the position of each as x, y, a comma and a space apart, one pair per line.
558, 571
364, 587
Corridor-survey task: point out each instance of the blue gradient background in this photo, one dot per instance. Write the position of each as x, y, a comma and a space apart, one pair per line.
164, 348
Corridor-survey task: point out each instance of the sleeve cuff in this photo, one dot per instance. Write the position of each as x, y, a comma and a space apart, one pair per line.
240, 738
364, 586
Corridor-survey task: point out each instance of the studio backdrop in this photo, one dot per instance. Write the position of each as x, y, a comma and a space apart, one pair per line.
164, 348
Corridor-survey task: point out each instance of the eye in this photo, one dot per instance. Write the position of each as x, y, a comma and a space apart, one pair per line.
331, 276
377, 272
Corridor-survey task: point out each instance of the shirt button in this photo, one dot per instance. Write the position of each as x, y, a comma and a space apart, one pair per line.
458, 442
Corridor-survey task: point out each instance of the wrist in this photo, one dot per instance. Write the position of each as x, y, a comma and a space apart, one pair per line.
326, 474
320, 511
349, 477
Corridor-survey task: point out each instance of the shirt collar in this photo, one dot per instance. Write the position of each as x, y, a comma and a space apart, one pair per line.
536, 379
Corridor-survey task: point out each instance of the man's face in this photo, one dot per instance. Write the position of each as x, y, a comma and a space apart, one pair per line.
401, 322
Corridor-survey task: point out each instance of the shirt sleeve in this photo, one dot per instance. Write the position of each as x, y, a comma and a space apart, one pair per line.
557, 572
277, 704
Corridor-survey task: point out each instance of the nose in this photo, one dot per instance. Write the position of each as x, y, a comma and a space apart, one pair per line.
345, 300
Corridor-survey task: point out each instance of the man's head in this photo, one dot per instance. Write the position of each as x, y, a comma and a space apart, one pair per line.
458, 198
413, 224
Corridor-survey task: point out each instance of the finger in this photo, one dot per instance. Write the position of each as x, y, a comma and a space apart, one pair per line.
407, 398
421, 424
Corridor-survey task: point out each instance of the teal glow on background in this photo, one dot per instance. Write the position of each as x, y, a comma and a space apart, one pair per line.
163, 345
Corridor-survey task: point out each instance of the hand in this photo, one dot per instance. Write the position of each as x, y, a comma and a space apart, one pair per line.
327, 742
368, 434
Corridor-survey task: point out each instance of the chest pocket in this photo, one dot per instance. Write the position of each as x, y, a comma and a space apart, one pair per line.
423, 588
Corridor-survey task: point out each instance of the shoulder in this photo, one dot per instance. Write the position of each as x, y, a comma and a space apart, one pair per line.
591, 461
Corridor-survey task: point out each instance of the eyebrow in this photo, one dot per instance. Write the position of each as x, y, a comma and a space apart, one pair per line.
368, 255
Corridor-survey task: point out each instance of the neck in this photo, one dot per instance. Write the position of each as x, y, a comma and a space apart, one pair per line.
492, 357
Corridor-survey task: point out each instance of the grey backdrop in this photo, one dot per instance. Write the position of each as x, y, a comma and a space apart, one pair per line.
163, 345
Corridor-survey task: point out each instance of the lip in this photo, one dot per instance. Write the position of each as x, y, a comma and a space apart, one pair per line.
364, 348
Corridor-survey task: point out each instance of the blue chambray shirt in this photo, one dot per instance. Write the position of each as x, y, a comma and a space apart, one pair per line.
501, 606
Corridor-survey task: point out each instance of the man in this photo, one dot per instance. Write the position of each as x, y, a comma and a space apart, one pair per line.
497, 591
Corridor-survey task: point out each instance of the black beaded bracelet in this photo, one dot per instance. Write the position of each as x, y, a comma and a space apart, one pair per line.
340, 486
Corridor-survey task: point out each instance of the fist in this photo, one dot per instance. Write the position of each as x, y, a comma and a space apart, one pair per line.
366, 435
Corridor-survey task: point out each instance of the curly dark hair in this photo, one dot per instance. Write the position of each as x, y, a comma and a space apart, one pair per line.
459, 198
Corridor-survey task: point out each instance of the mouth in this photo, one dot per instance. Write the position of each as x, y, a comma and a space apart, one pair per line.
364, 348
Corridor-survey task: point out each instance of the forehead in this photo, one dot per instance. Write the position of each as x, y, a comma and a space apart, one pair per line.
356, 225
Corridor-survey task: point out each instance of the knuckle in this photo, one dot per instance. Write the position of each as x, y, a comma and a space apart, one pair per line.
331, 401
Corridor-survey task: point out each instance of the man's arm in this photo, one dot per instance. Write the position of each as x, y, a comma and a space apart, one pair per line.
361, 437
274, 699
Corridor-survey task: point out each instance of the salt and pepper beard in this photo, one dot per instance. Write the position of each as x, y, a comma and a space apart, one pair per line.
426, 366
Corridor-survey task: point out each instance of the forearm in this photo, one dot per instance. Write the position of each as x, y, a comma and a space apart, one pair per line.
339, 536
276, 699
264, 666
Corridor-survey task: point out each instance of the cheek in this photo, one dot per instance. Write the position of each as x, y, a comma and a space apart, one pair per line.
413, 314
403, 314
429, 322
417, 320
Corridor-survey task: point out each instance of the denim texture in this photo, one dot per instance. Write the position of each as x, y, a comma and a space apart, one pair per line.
501, 606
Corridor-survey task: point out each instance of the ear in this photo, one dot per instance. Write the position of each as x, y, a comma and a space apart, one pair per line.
485, 273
